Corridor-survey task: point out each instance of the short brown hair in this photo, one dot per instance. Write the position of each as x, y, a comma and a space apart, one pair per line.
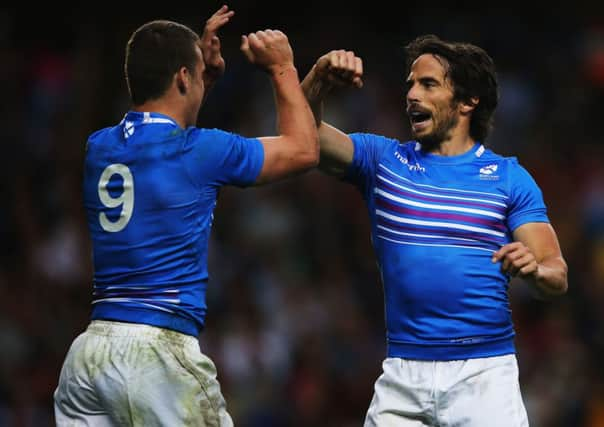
156, 51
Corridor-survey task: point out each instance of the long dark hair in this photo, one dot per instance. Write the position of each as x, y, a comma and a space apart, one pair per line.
472, 72
156, 51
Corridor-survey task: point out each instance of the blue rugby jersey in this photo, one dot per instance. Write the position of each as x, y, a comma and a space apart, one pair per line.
436, 221
150, 188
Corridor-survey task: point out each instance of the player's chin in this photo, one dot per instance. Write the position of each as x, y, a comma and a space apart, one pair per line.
421, 135
421, 132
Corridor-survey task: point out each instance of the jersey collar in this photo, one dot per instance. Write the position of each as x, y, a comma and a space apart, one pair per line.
146, 117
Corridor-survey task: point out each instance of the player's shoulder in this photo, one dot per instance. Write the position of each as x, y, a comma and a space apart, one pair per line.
492, 164
213, 141
373, 137
101, 136
207, 132
374, 142
199, 134
408, 146
488, 155
100, 133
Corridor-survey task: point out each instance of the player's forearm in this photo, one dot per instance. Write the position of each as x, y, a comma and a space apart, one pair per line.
315, 89
551, 278
336, 146
294, 116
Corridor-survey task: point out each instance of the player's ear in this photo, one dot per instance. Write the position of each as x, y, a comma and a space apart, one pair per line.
468, 107
182, 80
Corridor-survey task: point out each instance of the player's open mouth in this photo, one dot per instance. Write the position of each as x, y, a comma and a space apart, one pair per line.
419, 119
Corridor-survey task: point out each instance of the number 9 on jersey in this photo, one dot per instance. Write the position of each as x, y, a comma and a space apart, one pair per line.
125, 200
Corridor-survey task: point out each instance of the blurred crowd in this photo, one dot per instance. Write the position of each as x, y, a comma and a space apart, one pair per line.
296, 322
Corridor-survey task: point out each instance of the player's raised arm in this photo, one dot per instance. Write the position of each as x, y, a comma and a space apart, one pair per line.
335, 69
210, 47
296, 148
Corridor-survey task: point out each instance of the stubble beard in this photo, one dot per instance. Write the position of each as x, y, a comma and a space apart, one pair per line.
441, 133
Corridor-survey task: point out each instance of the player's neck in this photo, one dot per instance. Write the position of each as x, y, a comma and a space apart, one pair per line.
453, 147
168, 106
458, 141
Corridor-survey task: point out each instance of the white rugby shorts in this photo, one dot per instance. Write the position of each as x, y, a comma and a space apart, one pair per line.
461, 393
126, 374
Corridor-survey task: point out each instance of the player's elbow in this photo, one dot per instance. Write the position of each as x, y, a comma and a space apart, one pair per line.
554, 282
563, 288
561, 284
309, 156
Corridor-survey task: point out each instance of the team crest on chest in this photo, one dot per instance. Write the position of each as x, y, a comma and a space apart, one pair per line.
488, 172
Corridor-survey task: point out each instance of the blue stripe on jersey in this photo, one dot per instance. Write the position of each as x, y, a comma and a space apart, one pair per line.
450, 192
408, 191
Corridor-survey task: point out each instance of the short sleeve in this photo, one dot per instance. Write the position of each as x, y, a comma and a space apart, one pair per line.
368, 149
526, 204
224, 158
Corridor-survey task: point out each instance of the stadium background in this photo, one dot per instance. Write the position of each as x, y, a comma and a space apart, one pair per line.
295, 322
